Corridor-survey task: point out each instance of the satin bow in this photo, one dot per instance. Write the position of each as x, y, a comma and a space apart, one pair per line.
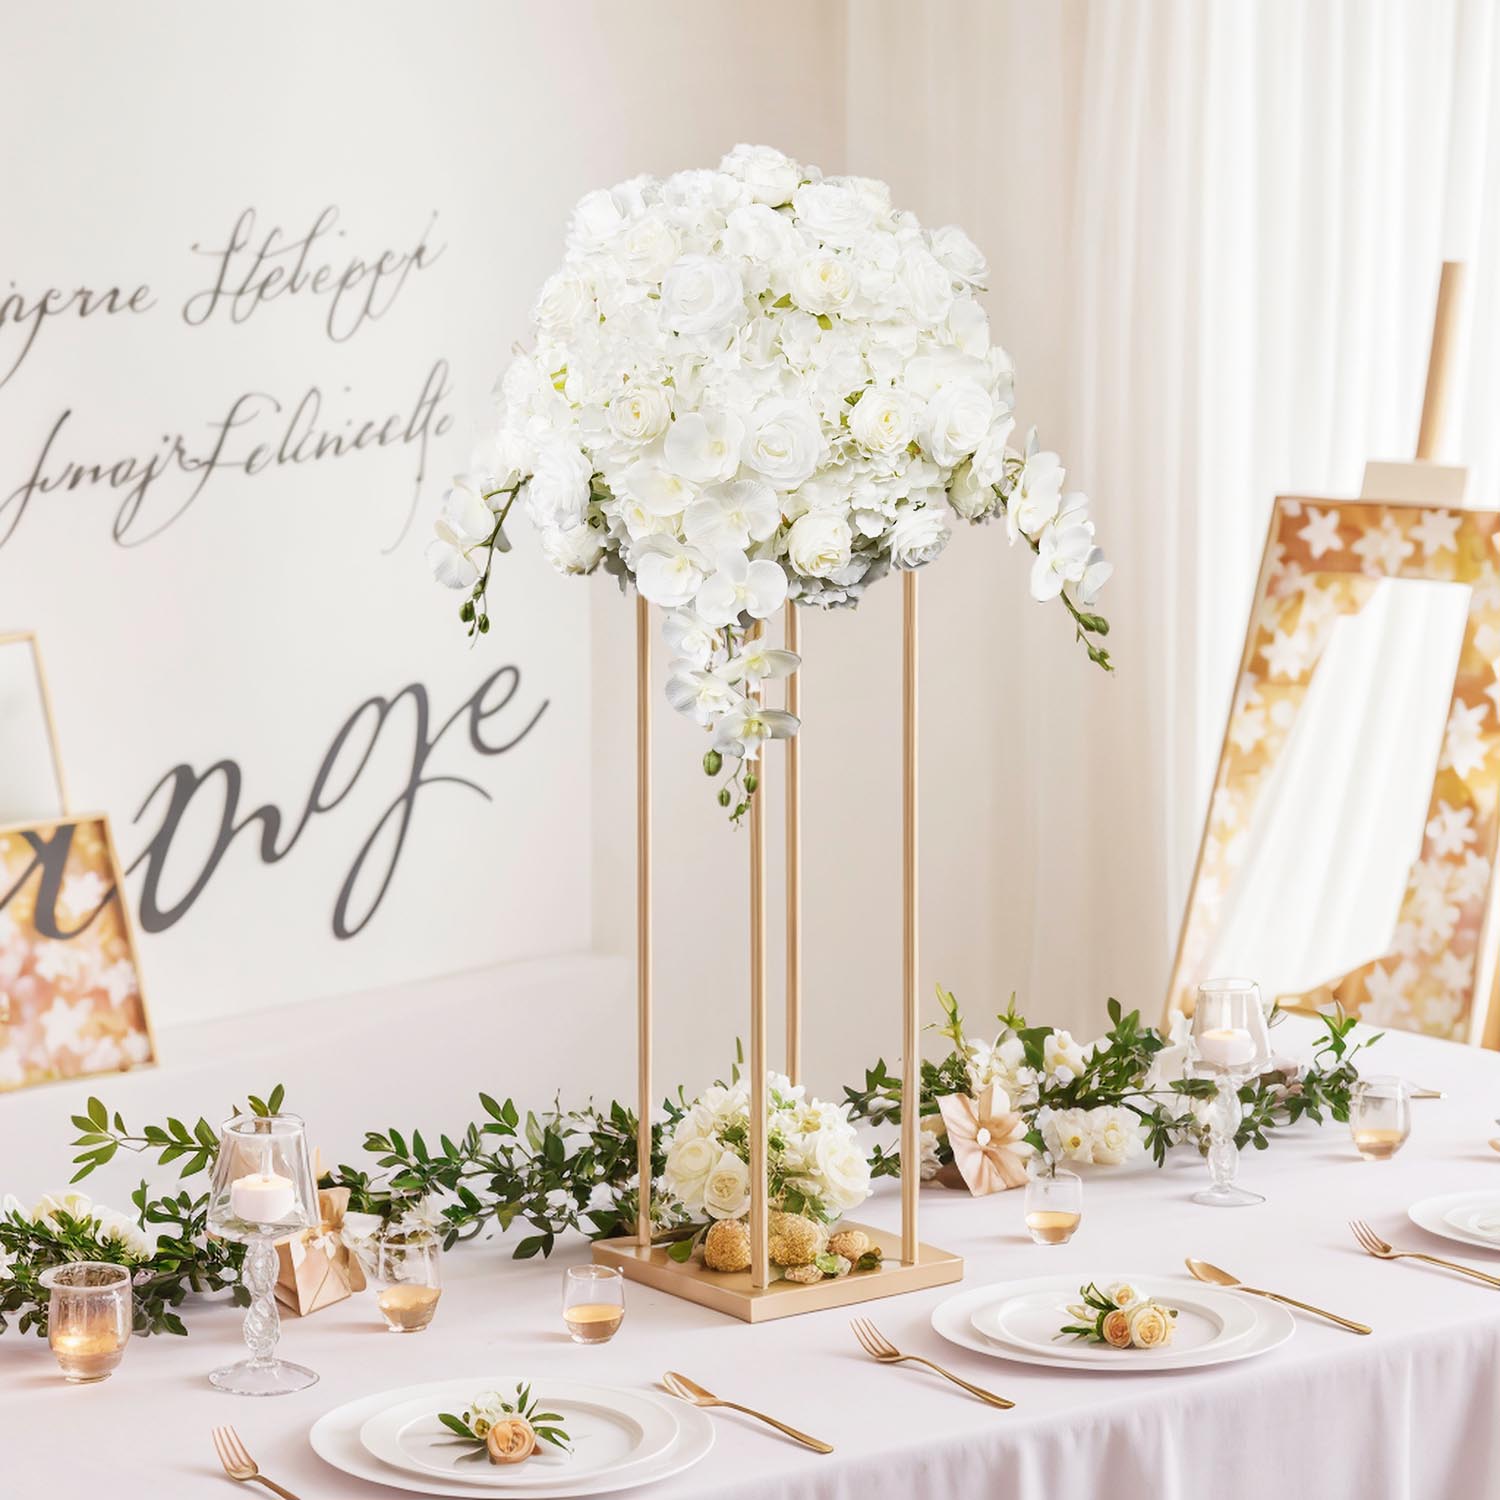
987, 1137
336, 1233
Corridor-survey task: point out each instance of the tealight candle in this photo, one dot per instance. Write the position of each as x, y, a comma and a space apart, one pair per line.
1226, 1047
262, 1198
86, 1357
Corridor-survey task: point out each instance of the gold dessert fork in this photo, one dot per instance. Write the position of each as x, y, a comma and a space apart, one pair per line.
239, 1465
693, 1393
1372, 1244
878, 1346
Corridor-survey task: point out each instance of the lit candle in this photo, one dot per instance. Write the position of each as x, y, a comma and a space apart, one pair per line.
88, 1356
262, 1198
1226, 1047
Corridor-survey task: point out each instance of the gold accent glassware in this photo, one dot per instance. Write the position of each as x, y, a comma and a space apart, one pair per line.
409, 1267
1230, 1045
1054, 1206
263, 1190
90, 1309
1379, 1117
593, 1303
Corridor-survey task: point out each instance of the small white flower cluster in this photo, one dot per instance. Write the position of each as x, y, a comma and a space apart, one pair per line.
1107, 1136
751, 385
1003, 1061
813, 1151
109, 1226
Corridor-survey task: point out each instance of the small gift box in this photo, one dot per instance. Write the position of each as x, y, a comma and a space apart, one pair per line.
319, 1266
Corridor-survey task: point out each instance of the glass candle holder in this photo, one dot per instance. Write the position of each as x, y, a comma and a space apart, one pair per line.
1379, 1117
89, 1312
263, 1190
1230, 1044
410, 1270
593, 1303
1054, 1206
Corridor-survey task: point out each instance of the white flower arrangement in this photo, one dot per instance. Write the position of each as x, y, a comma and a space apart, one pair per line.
108, 1227
816, 1167
752, 385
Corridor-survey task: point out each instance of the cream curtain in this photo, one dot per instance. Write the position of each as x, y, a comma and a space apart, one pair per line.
1217, 231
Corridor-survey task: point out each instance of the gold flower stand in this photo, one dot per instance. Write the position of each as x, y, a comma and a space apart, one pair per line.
908, 1265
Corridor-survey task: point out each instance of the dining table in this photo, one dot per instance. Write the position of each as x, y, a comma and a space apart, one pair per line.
1406, 1413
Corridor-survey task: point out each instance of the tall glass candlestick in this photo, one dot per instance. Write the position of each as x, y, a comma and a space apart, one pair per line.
1230, 1045
263, 1190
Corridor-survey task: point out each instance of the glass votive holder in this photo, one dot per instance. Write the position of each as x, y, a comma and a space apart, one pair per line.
89, 1312
409, 1268
1379, 1117
593, 1303
1054, 1206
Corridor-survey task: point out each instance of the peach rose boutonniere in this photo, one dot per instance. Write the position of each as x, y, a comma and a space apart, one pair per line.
1120, 1317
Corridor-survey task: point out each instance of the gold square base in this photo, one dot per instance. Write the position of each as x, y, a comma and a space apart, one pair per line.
730, 1291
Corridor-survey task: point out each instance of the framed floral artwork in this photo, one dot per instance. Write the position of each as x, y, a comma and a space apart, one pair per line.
70, 989
1349, 845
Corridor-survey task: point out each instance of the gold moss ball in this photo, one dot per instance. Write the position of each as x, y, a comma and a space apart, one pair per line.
795, 1240
850, 1243
726, 1247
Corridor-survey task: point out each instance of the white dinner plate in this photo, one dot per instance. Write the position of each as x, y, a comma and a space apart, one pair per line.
335, 1439
953, 1320
1431, 1214
1208, 1319
610, 1430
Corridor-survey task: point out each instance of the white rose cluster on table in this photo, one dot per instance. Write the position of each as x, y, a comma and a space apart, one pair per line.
752, 385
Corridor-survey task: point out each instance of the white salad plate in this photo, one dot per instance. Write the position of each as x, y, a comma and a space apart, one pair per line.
609, 1430
1216, 1336
1453, 1216
1206, 1320
335, 1438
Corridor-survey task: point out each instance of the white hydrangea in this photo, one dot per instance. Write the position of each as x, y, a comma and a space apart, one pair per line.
754, 385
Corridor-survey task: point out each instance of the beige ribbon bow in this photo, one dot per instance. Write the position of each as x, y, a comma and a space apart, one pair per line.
987, 1140
328, 1236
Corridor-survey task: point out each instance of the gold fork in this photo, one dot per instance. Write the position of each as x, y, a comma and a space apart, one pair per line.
693, 1393
1372, 1244
878, 1346
239, 1465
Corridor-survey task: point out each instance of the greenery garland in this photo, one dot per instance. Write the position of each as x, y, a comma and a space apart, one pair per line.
560, 1171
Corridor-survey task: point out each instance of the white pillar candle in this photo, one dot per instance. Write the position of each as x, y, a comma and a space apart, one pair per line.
1226, 1047
262, 1198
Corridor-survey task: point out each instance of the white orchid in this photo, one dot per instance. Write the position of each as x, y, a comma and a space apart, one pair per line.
738, 587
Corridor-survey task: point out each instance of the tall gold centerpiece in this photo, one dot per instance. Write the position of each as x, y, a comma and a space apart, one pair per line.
907, 1265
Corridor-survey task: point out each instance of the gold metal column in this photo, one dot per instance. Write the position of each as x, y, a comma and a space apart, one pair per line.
760, 1260
793, 641
911, 1064
643, 916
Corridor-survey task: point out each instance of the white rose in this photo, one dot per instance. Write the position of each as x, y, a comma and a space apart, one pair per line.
771, 177
884, 420
562, 301
689, 1161
557, 494
1151, 1325
639, 413
726, 1190
647, 247
596, 220
784, 444
958, 417
928, 286
835, 214
760, 234
702, 295
818, 545
574, 550
1116, 1138
918, 536
822, 282
843, 1167
960, 255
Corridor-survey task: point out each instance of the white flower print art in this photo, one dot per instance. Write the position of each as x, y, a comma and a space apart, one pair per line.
750, 386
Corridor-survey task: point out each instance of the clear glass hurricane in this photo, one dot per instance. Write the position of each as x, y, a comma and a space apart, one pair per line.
263, 1190
1230, 1045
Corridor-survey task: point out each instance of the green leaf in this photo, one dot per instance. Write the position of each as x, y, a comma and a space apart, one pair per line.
458, 1425
681, 1251
98, 1113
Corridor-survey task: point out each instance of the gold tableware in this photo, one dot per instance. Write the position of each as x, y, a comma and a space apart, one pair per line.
1205, 1272
1372, 1244
239, 1465
693, 1393
878, 1347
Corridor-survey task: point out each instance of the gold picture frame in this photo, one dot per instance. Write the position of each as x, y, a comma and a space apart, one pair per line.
1323, 559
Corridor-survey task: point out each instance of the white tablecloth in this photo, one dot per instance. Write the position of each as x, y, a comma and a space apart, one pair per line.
1409, 1412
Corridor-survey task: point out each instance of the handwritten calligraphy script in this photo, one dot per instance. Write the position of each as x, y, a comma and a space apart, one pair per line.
216, 792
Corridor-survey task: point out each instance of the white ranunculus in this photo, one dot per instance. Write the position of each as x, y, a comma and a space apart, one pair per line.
557, 494
784, 444
561, 301
884, 420
702, 295
739, 587
819, 543
771, 177
667, 573
832, 213
639, 413
843, 1168
822, 282
917, 536
704, 446
960, 255
726, 1190
732, 515
958, 417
